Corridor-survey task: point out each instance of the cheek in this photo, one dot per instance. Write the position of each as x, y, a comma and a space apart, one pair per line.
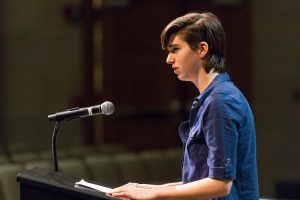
192, 62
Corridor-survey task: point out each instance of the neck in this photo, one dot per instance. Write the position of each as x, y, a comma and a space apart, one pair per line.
204, 79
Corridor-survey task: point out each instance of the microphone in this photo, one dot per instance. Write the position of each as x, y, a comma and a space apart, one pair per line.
106, 108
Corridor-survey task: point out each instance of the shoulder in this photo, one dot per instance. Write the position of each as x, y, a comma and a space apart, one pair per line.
227, 93
227, 100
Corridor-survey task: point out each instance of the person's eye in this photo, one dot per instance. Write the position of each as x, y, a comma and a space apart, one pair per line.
174, 50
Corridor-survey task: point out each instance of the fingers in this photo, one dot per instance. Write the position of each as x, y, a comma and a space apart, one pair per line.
116, 190
124, 198
120, 191
122, 188
120, 194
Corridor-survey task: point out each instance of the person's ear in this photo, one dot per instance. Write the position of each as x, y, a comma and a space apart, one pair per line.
203, 49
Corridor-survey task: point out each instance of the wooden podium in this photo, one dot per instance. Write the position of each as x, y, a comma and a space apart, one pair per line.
39, 183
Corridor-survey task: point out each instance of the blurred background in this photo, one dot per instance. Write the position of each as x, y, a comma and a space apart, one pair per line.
60, 54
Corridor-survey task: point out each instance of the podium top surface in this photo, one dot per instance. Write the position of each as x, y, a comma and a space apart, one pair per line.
58, 182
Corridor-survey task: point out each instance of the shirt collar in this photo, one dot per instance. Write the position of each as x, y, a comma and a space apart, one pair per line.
217, 80
198, 101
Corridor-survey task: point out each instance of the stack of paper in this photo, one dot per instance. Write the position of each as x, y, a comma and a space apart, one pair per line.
93, 186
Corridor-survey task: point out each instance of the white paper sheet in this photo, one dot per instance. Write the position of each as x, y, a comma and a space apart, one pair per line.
93, 186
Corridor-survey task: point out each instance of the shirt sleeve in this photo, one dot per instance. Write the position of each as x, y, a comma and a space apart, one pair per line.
220, 125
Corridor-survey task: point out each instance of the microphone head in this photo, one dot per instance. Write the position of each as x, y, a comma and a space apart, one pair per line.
107, 108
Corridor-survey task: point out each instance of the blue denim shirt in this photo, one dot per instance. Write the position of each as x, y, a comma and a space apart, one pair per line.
219, 140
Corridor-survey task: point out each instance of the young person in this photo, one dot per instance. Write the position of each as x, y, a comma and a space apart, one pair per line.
219, 138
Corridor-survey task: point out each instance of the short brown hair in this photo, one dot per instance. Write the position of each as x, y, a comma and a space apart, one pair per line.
195, 28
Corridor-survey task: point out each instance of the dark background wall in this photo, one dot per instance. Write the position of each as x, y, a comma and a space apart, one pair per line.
276, 90
142, 85
77, 53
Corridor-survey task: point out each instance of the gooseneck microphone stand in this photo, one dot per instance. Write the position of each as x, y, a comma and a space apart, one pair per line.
54, 140
106, 108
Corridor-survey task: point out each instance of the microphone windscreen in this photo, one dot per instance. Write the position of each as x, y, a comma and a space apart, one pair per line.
107, 108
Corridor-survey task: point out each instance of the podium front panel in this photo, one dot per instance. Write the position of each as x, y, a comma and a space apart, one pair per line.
39, 183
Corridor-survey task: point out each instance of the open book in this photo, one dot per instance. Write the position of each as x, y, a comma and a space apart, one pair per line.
100, 188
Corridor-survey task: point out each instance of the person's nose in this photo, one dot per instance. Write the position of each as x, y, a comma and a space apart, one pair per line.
170, 59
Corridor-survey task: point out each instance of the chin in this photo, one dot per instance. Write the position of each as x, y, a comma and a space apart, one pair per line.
181, 78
